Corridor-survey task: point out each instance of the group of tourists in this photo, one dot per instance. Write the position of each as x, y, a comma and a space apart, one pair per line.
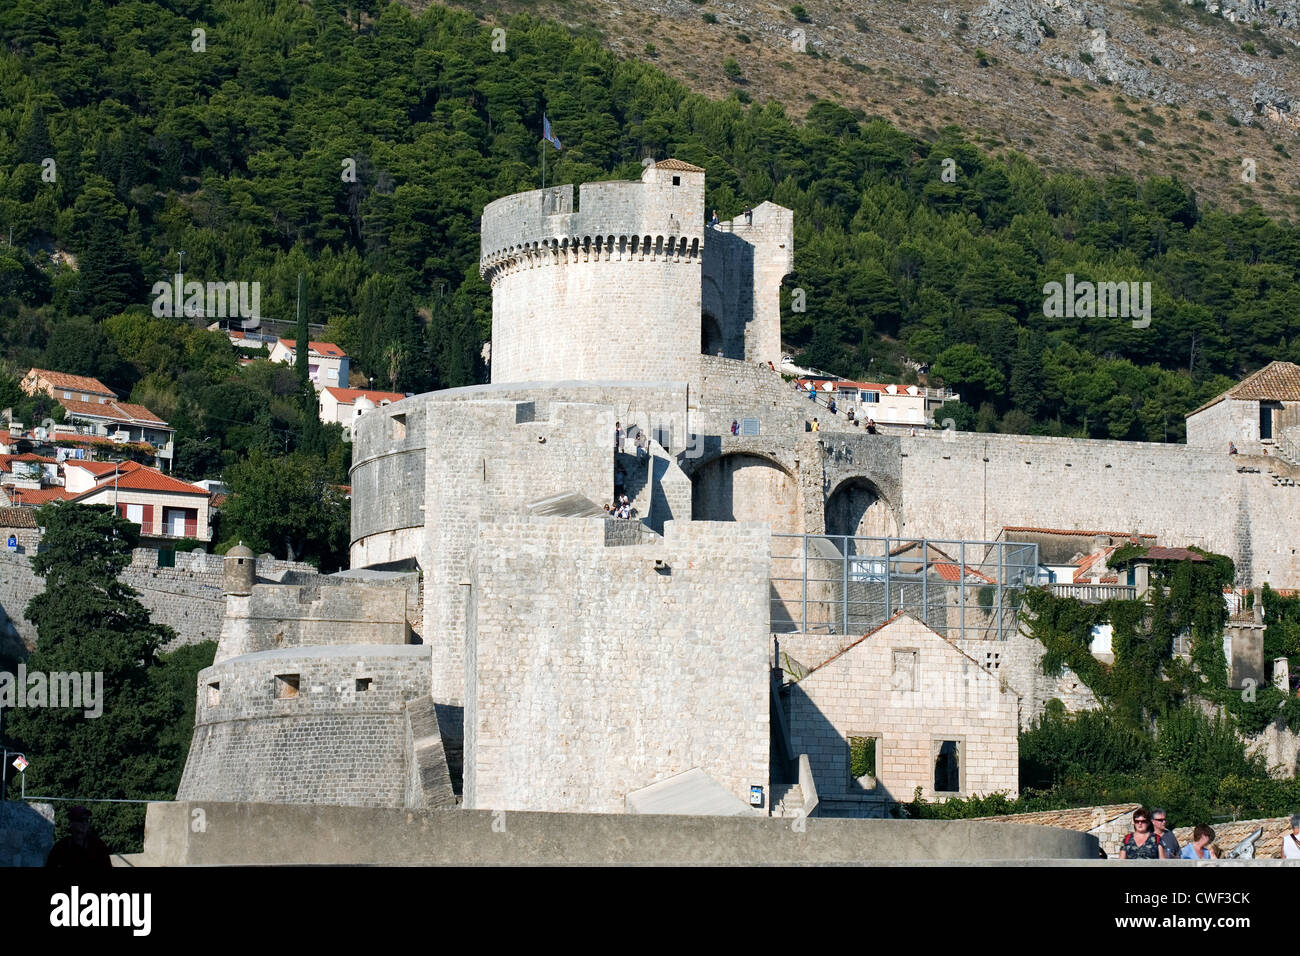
621, 508
1152, 839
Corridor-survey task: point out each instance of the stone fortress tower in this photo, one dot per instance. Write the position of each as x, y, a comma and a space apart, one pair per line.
506, 640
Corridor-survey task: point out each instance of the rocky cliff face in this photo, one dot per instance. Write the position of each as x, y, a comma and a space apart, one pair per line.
1149, 87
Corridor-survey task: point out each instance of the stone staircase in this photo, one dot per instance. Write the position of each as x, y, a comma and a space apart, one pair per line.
787, 800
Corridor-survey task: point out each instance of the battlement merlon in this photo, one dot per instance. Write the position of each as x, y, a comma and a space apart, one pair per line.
666, 206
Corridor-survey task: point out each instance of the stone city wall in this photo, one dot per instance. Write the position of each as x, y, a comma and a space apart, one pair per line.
593, 671
325, 725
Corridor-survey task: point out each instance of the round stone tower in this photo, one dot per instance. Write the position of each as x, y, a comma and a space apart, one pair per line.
609, 292
239, 572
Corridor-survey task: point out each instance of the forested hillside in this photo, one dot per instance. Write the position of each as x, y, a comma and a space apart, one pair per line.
238, 153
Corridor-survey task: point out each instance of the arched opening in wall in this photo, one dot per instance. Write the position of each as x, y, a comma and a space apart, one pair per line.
856, 508
747, 488
711, 341
752, 488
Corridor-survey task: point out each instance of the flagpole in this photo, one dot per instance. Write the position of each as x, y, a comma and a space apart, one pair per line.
543, 164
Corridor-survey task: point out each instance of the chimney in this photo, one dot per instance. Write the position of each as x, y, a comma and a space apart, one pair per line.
1100, 542
1258, 607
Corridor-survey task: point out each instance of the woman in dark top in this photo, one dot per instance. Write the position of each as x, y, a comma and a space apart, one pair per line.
1141, 844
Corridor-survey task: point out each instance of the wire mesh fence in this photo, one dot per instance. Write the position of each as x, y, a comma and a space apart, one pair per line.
840, 584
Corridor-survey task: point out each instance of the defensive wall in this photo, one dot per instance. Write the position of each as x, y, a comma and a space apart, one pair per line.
963, 485
307, 725
186, 597
259, 834
594, 671
483, 453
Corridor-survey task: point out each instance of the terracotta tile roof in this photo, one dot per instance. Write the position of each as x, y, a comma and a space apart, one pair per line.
1173, 554
96, 468
1275, 382
17, 518
1086, 563
113, 411
679, 165
74, 383
951, 571
1228, 835
1082, 819
6, 460
320, 348
31, 497
140, 478
346, 396
1112, 534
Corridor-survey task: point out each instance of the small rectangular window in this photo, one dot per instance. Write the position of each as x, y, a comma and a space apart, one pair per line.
399, 426
864, 761
947, 766
677, 180
214, 693
286, 685
363, 683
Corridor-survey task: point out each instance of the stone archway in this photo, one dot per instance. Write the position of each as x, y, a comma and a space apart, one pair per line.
743, 487
857, 508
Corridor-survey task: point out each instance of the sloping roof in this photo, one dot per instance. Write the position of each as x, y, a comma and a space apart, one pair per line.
1228, 835
1082, 819
145, 479
880, 627
17, 518
96, 468
31, 497
74, 383
320, 348
1085, 563
1113, 534
346, 396
1275, 382
1168, 554
679, 165
113, 411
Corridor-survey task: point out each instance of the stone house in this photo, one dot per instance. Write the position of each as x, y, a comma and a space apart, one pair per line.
1255, 415
903, 708
164, 507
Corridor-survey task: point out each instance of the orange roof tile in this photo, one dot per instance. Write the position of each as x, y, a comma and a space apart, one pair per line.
113, 411
1275, 382
145, 479
74, 383
17, 518
346, 396
320, 348
31, 497
679, 165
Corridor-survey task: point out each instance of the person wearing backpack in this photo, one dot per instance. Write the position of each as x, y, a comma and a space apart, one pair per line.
1142, 844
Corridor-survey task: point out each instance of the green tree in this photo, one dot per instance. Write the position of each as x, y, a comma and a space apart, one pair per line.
289, 506
90, 623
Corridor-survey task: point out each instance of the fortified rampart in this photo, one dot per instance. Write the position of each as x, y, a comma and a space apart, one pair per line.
186, 597
318, 725
594, 671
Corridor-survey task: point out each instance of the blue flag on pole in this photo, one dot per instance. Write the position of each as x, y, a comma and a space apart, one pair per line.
549, 136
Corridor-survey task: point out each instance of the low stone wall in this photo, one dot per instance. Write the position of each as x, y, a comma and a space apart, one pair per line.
256, 834
26, 833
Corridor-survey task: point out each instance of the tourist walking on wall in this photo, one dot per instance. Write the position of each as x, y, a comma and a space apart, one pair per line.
1199, 848
1159, 826
735, 427
618, 437
816, 425
1141, 844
